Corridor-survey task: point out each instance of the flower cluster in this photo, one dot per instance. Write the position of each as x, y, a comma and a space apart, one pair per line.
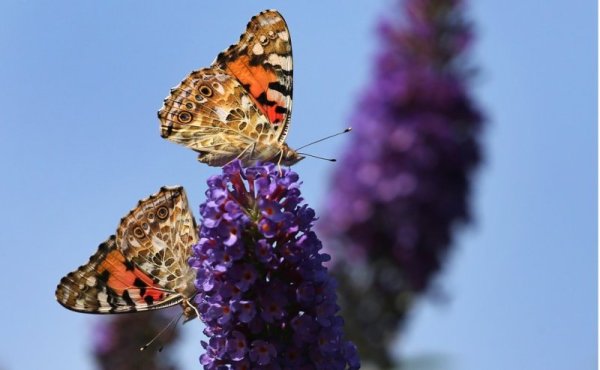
403, 183
264, 294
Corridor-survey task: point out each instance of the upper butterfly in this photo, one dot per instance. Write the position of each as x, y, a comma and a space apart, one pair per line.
239, 107
144, 266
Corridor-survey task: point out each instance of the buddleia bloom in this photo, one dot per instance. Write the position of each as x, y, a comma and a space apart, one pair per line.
403, 184
265, 296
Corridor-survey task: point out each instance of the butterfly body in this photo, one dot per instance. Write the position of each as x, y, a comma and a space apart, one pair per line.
240, 106
143, 266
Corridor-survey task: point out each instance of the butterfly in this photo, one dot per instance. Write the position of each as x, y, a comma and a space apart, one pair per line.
144, 266
239, 107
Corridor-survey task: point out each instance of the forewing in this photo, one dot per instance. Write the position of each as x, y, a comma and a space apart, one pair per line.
109, 283
262, 62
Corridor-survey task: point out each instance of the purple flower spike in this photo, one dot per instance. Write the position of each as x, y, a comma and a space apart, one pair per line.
264, 294
403, 185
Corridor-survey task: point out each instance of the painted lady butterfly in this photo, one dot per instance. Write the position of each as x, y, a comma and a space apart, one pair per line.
144, 266
239, 107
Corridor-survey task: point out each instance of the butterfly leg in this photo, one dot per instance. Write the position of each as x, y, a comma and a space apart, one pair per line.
196, 310
279, 163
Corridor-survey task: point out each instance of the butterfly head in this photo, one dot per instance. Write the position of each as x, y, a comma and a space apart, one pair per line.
289, 156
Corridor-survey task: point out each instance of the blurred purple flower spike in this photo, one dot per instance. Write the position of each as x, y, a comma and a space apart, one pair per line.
404, 182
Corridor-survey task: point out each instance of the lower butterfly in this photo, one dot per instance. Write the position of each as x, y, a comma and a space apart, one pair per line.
144, 266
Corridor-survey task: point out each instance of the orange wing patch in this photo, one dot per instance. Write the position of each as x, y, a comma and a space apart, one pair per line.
262, 62
257, 80
127, 280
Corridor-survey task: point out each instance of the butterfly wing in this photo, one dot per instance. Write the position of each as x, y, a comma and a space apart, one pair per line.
241, 106
262, 62
118, 279
211, 113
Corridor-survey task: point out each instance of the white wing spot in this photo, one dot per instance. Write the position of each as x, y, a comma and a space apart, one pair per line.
91, 281
282, 61
103, 299
246, 103
80, 303
222, 115
218, 88
276, 95
265, 21
221, 77
284, 36
257, 49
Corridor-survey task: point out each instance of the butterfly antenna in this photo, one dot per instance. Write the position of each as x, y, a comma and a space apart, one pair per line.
175, 320
325, 138
316, 156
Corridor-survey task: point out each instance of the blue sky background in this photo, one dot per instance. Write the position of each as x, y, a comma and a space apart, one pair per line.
80, 84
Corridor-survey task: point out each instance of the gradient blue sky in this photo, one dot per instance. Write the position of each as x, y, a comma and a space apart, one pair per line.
81, 82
